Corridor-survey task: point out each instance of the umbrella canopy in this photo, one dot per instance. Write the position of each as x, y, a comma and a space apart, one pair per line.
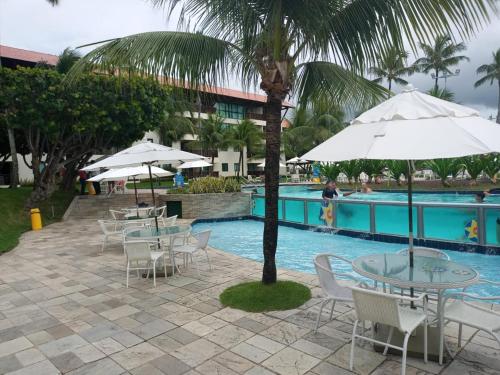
297, 160
143, 153
263, 165
194, 164
136, 172
411, 126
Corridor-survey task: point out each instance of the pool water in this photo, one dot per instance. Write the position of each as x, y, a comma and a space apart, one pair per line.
297, 248
307, 192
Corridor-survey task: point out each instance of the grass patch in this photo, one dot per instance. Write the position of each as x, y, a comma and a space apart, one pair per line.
14, 220
257, 297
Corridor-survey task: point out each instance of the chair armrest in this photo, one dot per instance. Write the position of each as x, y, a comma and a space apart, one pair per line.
346, 275
339, 257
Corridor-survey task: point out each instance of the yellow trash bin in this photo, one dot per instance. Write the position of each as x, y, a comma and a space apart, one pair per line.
36, 219
90, 188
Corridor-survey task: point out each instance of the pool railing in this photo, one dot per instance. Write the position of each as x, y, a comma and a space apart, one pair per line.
472, 224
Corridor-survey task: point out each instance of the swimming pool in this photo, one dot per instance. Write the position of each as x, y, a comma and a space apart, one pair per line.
305, 191
447, 219
297, 248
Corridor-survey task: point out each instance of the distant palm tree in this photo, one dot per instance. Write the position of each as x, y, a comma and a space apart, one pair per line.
212, 136
245, 135
391, 65
440, 57
66, 60
491, 73
174, 128
442, 94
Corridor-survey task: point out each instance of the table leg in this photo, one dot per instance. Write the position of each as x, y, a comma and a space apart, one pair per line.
439, 313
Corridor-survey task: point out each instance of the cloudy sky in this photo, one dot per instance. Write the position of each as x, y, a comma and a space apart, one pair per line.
35, 25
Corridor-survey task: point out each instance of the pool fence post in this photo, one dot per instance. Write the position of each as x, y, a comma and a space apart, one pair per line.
306, 213
481, 235
283, 210
372, 218
335, 210
420, 221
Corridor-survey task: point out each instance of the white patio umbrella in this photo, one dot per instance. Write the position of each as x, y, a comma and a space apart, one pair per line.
144, 153
263, 165
297, 160
194, 164
134, 172
411, 126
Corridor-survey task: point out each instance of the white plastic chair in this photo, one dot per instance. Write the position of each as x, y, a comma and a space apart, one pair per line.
140, 257
472, 315
383, 308
332, 290
190, 249
426, 252
160, 211
109, 229
168, 221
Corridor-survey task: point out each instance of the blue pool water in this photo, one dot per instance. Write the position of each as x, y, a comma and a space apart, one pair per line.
307, 192
297, 248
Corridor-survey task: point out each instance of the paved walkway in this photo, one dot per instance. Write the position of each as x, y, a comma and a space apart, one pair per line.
64, 308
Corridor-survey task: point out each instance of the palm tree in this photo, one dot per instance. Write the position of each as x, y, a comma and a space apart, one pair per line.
174, 128
304, 48
491, 73
440, 57
444, 168
212, 136
391, 65
245, 135
66, 60
442, 94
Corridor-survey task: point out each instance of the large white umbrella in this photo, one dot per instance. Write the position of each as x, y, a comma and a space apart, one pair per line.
136, 172
194, 164
411, 126
297, 160
144, 153
263, 165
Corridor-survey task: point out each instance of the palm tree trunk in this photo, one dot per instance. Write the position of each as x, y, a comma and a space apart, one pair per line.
498, 111
14, 174
436, 79
390, 87
273, 137
241, 164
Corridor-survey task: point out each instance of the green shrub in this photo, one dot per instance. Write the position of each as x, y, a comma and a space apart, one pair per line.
206, 185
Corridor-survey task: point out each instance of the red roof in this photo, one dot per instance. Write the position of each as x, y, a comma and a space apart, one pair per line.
25, 55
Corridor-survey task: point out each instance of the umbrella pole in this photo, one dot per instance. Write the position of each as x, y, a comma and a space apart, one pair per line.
410, 225
153, 196
136, 198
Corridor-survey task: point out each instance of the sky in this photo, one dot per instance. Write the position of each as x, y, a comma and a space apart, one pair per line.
35, 25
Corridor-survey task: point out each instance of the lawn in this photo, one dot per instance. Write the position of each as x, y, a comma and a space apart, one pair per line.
256, 297
14, 220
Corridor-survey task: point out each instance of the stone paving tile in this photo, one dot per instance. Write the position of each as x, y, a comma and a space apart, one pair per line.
137, 355
290, 361
75, 310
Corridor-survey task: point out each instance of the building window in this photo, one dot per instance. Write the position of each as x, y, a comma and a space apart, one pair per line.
225, 167
236, 167
150, 140
229, 110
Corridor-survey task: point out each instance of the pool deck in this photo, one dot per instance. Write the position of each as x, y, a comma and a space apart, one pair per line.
64, 308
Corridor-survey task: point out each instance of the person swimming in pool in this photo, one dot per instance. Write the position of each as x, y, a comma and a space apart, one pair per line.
480, 197
331, 191
365, 189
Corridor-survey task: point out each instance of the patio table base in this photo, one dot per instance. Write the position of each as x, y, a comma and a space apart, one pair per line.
415, 344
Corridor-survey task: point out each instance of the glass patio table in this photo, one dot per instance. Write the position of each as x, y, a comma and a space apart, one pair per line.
152, 232
427, 273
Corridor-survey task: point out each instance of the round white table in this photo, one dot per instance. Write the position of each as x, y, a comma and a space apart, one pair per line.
427, 273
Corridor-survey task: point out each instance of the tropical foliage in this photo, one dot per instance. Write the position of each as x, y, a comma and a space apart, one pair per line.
491, 73
445, 169
330, 170
397, 168
391, 66
352, 169
442, 94
440, 57
64, 126
307, 49
245, 135
205, 185
212, 135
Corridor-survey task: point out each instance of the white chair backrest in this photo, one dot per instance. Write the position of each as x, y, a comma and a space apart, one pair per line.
137, 250
202, 239
426, 252
107, 226
376, 307
117, 215
169, 221
326, 276
160, 211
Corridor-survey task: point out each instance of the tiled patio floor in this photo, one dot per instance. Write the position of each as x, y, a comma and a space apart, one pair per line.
64, 308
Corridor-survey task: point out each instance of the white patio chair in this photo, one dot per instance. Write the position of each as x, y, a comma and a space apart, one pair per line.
295, 178
141, 257
117, 214
383, 308
141, 212
160, 212
426, 252
332, 290
472, 315
169, 221
191, 249
109, 230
